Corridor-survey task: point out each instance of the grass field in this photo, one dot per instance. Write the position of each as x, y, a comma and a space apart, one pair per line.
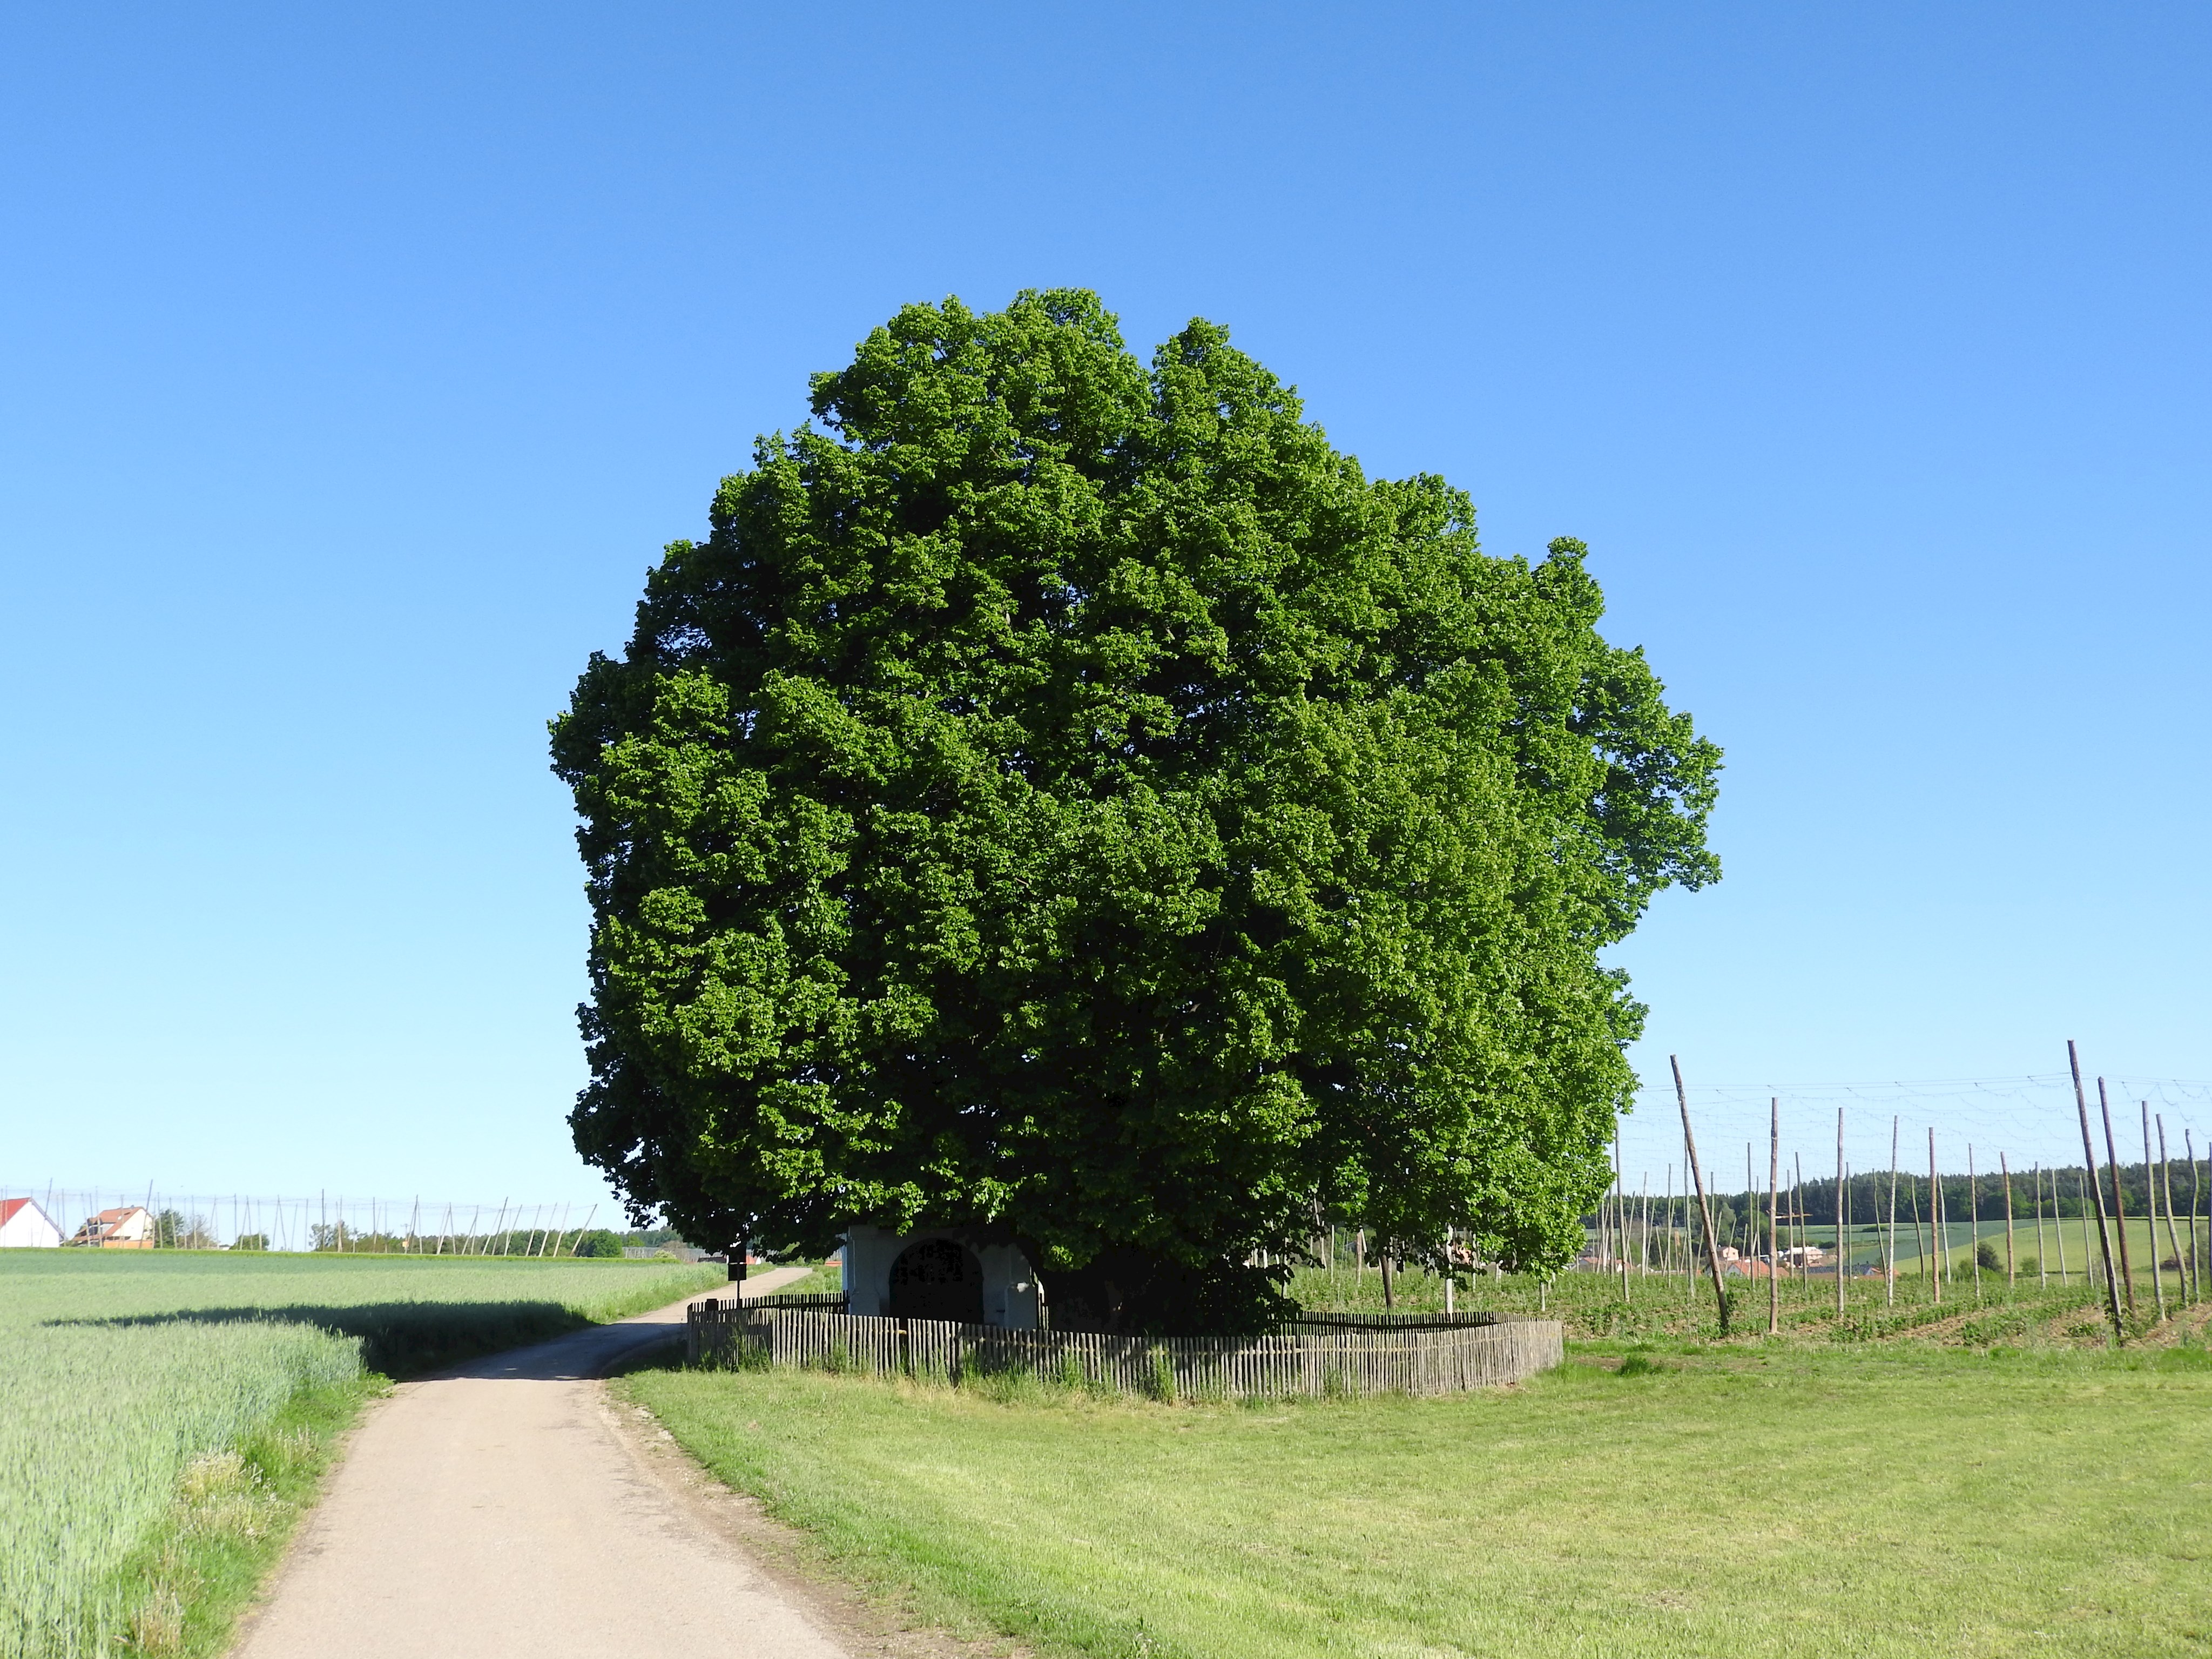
1763, 1498
162, 1414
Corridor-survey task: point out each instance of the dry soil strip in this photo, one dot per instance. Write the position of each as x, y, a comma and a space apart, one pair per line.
493, 1513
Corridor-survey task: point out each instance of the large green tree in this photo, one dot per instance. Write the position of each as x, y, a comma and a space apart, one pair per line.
1073, 801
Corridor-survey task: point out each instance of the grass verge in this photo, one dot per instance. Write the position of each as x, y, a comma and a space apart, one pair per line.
233, 1515
1758, 1499
138, 1476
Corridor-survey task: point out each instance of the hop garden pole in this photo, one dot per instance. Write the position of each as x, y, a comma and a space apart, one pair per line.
2196, 1203
2043, 1250
2083, 1202
2004, 1169
1750, 1207
2172, 1236
1797, 1210
2103, 1230
1773, 1215
2166, 1189
1704, 1209
2150, 1198
1924, 1248
2119, 1197
1689, 1244
1936, 1221
1839, 1212
1621, 1209
1889, 1292
1644, 1237
1604, 1230
1974, 1222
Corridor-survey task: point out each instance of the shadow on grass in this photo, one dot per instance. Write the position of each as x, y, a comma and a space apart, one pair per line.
401, 1339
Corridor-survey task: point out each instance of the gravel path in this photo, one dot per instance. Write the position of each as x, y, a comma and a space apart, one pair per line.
497, 1512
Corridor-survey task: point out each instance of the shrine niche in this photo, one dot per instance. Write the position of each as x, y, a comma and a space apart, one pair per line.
937, 1279
941, 1273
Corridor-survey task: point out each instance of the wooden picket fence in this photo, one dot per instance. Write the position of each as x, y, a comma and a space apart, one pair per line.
1316, 1356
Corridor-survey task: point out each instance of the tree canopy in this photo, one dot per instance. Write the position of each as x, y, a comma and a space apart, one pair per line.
1071, 800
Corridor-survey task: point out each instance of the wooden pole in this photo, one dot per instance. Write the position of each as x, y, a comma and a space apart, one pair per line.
1935, 1219
2196, 1205
1750, 1208
1797, 1210
2150, 1198
2103, 1230
1839, 1212
1889, 1293
2119, 1197
1689, 1247
1773, 1215
1705, 1208
2012, 1278
1974, 1222
1926, 1256
1644, 1240
2172, 1236
1604, 1234
2043, 1250
2085, 1204
1619, 1208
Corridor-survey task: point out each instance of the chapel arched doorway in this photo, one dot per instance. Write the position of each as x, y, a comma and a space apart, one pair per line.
937, 1279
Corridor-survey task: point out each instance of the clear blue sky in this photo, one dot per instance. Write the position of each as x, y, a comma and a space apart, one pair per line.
359, 360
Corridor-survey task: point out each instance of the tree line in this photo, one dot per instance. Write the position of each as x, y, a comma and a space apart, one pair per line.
2064, 1193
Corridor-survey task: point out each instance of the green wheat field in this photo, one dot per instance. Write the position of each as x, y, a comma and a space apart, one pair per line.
146, 1399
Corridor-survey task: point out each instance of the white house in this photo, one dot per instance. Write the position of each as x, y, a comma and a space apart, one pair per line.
129, 1228
942, 1273
25, 1226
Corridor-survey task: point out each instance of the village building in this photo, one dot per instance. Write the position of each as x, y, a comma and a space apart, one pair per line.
129, 1228
25, 1226
941, 1273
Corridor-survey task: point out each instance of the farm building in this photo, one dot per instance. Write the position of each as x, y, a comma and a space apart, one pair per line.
940, 1273
129, 1228
25, 1226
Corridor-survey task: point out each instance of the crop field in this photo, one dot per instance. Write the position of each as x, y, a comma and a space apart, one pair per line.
140, 1393
1648, 1501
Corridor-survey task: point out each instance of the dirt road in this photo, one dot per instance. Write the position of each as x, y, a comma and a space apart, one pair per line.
497, 1512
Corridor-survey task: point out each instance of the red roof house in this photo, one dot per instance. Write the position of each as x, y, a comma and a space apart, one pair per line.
25, 1226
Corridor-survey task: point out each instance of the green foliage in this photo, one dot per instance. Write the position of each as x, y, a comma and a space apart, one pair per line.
599, 1244
1985, 1254
1070, 799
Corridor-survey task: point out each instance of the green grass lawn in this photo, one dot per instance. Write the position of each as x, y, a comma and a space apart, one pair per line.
164, 1415
1780, 1498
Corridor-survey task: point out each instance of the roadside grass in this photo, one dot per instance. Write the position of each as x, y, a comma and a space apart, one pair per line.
822, 1279
1666, 1497
164, 1416
233, 1513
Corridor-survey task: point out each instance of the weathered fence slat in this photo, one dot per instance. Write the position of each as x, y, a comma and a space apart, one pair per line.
1315, 1355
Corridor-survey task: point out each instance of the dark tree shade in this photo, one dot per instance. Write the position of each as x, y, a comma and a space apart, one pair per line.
1073, 801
